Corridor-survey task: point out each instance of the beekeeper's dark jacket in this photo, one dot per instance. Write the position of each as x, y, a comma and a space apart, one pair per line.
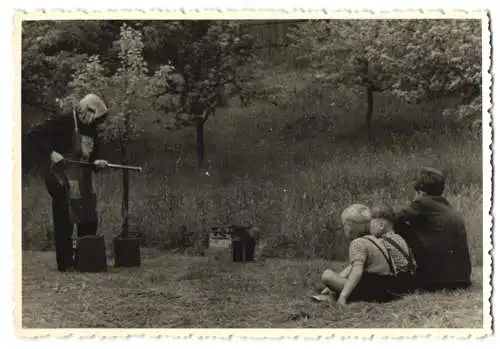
437, 235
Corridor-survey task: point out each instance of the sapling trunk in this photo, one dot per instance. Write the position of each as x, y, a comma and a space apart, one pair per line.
125, 176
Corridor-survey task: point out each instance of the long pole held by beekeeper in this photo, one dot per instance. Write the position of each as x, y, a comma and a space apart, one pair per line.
111, 165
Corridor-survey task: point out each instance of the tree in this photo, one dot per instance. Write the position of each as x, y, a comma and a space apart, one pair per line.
413, 59
53, 50
44, 73
209, 57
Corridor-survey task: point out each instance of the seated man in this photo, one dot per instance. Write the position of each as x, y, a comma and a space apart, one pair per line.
436, 234
369, 274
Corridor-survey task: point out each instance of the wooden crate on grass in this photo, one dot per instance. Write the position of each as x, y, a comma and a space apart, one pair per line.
238, 240
219, 238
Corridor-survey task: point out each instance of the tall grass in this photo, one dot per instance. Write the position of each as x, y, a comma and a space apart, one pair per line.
292, 188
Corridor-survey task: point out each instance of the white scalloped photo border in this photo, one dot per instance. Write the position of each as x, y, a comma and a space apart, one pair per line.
257, 333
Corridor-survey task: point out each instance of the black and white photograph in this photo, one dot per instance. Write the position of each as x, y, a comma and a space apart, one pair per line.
223, 171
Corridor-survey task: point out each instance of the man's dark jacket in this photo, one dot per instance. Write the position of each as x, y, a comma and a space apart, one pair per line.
437, 235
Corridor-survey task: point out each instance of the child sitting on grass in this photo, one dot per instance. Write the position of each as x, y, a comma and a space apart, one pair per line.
371, 274
365, 277
398, 252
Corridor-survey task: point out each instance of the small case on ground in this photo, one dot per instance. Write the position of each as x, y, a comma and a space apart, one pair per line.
127, 251
90, 254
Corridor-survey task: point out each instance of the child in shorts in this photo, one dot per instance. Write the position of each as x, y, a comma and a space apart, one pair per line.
399, 254
368, 274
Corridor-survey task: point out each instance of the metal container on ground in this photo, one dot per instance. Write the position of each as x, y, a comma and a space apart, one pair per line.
243, 244
90, 254
127, 251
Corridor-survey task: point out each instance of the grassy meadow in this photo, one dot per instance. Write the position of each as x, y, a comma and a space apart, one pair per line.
287, 170
179, 291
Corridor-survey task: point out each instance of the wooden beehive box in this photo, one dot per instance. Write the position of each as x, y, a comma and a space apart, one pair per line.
220, 238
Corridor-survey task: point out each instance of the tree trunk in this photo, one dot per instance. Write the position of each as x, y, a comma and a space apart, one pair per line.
125, 178
369, 110
370, 88
200, 141
125, 191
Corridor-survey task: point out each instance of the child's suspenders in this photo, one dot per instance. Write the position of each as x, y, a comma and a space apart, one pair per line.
386, 256
409, 256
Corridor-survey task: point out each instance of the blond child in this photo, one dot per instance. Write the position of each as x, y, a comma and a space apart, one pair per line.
368, 275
